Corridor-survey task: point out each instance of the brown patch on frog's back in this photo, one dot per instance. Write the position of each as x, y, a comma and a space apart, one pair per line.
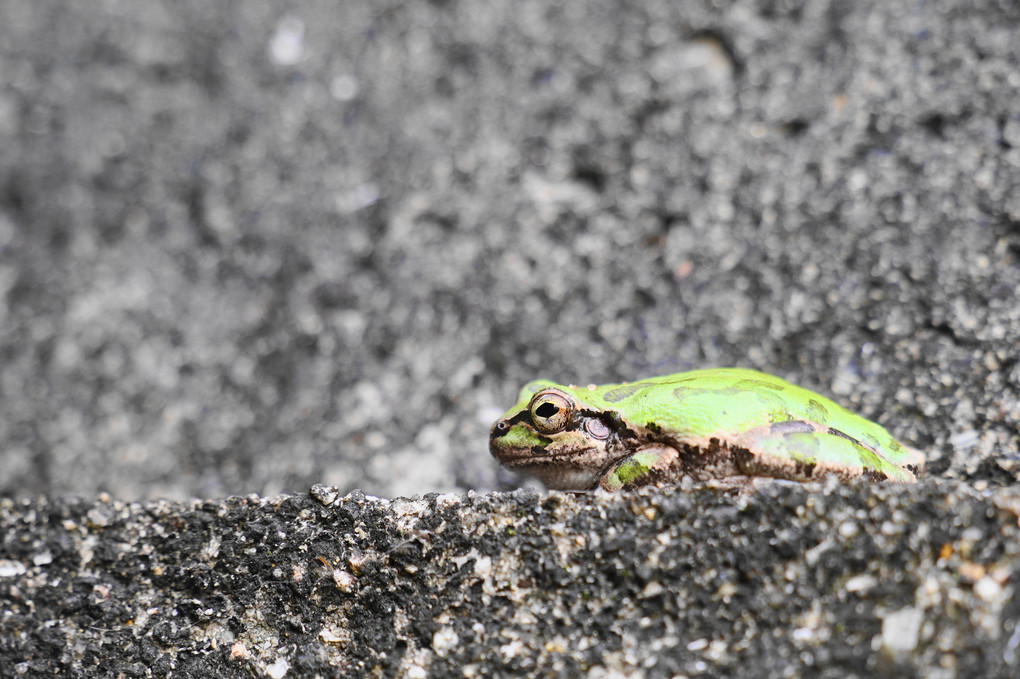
683, 393
817, 410
871, 442
748, 382
793, 427
682, 380
622, 392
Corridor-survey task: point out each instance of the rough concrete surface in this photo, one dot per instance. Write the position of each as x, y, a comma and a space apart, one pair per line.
247, 248
834, 581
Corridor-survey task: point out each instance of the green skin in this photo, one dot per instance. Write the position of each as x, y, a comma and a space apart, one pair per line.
722, 425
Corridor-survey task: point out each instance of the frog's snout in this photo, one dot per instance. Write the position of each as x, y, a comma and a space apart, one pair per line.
500, 428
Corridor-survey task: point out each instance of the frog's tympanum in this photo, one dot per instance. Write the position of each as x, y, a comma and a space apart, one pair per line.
727, 426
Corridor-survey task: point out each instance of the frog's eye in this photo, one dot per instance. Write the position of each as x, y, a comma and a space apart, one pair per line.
550, 412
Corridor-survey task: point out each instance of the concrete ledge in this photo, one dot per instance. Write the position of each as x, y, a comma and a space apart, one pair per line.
831, 581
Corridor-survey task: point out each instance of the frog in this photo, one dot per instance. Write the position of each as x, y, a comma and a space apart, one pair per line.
727, 427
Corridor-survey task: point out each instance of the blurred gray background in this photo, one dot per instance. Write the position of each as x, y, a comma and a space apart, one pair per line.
248, 247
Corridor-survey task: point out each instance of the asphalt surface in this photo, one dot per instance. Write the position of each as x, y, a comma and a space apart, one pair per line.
247, 248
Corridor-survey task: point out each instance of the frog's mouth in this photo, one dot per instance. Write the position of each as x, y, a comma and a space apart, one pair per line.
564, 461
563, 471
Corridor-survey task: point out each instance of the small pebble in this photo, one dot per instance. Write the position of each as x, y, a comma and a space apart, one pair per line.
327, 495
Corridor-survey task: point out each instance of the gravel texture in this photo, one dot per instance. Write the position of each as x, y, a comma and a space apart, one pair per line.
246, 248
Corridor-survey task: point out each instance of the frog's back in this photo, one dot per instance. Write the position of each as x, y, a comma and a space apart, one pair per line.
721, 401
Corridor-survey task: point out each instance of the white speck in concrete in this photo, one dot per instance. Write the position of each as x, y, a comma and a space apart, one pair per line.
901, 629
483, 567
42, 558
444, 640
861, 583
278, 669
987, 589
9, 568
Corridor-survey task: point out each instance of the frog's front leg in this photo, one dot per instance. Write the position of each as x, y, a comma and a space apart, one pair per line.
649, 466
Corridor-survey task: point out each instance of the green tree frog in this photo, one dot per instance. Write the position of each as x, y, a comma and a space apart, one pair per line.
725, 425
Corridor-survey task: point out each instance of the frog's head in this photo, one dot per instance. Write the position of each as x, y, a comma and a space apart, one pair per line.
552, 435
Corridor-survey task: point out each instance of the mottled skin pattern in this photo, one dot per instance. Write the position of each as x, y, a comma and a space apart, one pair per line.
726, 425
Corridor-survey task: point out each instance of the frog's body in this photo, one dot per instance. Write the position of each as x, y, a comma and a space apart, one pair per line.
728, 424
